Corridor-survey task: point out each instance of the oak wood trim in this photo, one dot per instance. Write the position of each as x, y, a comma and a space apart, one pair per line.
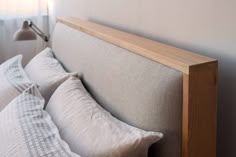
199, 111
165, 54
199, 83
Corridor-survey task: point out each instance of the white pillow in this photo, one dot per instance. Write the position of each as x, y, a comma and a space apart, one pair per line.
90, 130
28, 131
47, 72
13, 80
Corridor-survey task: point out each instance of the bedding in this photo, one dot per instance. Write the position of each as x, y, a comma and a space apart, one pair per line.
28, 131
47, 72
90, 130
13, 80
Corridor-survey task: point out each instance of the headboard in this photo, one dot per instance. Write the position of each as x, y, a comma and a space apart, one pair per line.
145, 83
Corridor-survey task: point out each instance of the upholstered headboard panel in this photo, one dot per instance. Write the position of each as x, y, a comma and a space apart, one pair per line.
139, 91
145, 83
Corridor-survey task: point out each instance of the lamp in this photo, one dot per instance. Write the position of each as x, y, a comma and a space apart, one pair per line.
28, 31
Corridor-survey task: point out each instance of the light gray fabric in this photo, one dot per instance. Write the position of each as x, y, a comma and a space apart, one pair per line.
136, 90
90, 130
47, 72
28, 131
13, 80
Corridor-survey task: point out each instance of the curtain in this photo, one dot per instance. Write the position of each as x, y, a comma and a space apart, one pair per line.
12, 14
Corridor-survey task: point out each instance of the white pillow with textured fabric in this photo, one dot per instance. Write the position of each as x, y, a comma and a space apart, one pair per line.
90, 130
47, 72
28, 131
13, 80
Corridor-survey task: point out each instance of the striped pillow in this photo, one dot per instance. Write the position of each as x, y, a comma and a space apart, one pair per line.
26, 130
13, 80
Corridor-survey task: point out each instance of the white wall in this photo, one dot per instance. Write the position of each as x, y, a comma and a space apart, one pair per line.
203, 26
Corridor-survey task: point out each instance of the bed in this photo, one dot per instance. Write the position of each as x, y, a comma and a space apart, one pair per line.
145, 83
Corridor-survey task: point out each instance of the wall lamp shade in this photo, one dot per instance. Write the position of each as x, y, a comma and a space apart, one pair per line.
25, 33
29, 31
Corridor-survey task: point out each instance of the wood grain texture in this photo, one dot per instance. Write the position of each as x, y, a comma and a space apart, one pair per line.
199, 111
199, 83
168, 55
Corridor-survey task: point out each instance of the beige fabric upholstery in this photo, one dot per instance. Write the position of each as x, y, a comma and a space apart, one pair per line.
134, 89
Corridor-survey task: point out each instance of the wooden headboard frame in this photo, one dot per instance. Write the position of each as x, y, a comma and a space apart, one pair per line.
199, 83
